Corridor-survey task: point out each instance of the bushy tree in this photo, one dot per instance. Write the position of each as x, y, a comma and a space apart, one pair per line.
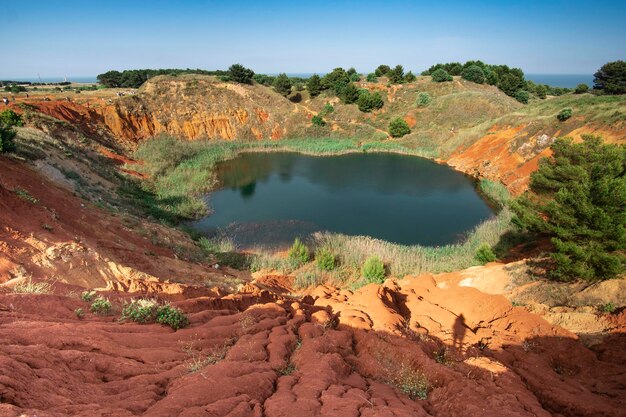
473, 73
299, 253
581, 89
611, 78
382, 70
282, 84
399, 127
336, 80
522, 96
240, 74
314, 85
263, 79
440, 75
577, 197
511, 82
396, 75
349, 93
541, 91
371, 78
368, 101
409, 77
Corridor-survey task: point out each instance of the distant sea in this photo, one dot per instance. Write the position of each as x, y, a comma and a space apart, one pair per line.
76, 79
561, 80
554, 80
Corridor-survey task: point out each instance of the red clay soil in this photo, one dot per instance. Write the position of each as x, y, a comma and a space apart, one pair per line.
456, 352
59, 236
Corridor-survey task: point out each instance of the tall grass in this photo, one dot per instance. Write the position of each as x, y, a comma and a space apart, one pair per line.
402, 260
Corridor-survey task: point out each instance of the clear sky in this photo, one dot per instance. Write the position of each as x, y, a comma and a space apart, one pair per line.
82, 38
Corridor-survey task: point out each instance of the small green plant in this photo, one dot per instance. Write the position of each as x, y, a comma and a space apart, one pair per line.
328, 109
581, 89
564, 114
9, 118
325, 259
101, 306
287, 369
299, 253
171, 316
25, 195
485, 254
79, 313
423, 99
522, 96
318, 121
413, 383
29, 287
373, 270
608, 308
399, 127
140, 311
88, 295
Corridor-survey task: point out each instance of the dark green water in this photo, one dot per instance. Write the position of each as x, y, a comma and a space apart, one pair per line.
270, 198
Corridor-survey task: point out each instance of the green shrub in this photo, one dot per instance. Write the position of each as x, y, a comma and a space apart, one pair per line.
409, 77
485, 254
328, 109
423, 99
522, 96
88, 295
440, 75
318, 121
9, 118
79, 313
382, 70
564, 114
6, 139
541, 91
473, 73
576, 198
581, 89
608, 308
299, 253
101, 306
371, 78
368, 101
373, 270
399, 127
140, 311
171, 316
325, 259
349, 93
396, 75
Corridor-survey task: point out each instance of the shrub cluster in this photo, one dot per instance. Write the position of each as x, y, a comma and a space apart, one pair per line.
369, 101
8, 119
423, 99
149, 311
440, 75
373, 270
399, 127
299, 253
564, 114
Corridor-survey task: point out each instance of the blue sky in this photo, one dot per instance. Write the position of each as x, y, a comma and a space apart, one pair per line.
80, 38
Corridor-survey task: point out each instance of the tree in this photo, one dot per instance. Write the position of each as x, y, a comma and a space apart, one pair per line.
398, 128
577, 198
473, 73
522, 96
423, 99
541, 91
440, 75
318, 121
314, 85
9, 118
611, 78
240, 74
409, 77
282, 84
511, 82
336, 80
371, 78
581, 89
349, 94
382, 70
368, 102
396, 75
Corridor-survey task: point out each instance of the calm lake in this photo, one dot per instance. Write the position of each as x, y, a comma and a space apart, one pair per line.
270, 198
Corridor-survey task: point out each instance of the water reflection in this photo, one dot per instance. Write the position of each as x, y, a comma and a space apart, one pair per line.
393, 197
